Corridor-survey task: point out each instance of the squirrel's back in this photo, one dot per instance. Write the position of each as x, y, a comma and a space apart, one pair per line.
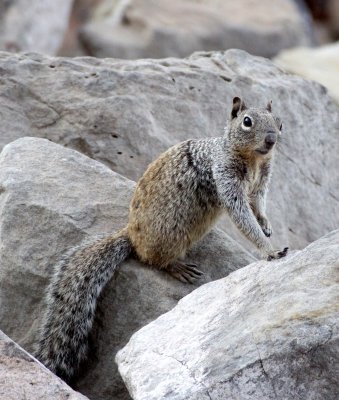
174, 204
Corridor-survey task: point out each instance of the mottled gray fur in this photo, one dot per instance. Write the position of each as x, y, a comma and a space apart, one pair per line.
71, 301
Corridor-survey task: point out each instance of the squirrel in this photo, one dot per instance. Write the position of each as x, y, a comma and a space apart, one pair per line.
175, 203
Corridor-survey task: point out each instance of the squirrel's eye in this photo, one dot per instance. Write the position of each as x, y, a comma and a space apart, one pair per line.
280, 127
247, 122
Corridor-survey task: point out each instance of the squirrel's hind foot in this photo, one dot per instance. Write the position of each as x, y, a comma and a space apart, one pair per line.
186, 273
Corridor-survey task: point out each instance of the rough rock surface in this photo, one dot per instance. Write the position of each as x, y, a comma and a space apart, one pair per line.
51, 198
124, 113
322, 65
267, 331
33, 25
160, 28
23, 378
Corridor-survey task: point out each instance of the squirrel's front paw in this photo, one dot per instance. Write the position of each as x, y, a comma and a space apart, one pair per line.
265, 226
277, 254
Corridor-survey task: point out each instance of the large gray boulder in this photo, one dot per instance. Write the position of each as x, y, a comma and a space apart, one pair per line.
33, 25
267, 331
52, 198
160, 28
22, 377
124, 113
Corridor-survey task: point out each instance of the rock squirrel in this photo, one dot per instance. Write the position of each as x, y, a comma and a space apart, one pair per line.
175, 203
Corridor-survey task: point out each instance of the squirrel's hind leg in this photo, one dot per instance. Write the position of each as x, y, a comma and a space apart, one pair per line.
186, 273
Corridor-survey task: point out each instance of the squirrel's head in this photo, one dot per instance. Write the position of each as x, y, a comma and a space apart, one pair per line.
253, 130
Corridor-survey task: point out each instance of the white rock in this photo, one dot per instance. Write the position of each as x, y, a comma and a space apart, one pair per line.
267, 331
319, 64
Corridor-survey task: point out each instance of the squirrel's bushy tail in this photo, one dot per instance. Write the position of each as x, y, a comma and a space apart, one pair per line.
71, 302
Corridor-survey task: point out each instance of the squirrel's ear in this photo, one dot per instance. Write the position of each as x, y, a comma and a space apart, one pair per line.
269, 106
237, 105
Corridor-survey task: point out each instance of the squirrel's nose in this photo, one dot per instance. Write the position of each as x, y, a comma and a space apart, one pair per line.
270, 139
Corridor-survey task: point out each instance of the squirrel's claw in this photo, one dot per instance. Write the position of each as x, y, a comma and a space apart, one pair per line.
267, 231
277, 254
265, 226
186, 273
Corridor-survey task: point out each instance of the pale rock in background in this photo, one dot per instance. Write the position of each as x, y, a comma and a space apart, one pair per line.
319, 64
160, 28
34, 25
